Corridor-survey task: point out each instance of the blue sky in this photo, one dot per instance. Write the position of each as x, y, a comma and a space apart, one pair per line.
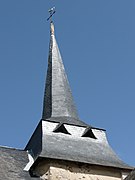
97, 43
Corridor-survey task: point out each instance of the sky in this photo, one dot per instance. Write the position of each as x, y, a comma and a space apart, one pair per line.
97, 42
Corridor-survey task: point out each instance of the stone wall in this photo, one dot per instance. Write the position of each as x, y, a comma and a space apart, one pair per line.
62, 170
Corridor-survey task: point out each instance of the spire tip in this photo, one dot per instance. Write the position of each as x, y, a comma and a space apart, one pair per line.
52, 28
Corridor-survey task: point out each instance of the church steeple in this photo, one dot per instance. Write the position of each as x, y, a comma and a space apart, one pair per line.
58, 100
60, 135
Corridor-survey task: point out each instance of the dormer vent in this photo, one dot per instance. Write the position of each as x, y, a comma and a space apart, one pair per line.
61, 129
88, 133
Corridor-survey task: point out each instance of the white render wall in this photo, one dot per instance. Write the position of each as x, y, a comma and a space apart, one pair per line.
63, 174
71, 171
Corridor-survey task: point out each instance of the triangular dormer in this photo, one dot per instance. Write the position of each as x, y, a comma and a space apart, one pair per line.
61, 129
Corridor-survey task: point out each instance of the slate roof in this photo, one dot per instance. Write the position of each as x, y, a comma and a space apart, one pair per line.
83, 150
12, 163
58, 100
67, 120
71, 146
131, 176
59, 109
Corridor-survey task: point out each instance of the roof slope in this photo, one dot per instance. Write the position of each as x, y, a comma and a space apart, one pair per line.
72, 146
66, 142
12, 163
58, 100
131, 176
82, 150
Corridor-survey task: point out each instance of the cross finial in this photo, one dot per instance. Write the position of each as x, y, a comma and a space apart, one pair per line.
52, 12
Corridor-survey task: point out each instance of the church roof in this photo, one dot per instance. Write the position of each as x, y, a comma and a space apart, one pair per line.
61, 134
12, 163
73, 143
58, 100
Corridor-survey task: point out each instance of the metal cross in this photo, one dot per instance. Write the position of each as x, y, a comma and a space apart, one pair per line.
52, 12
